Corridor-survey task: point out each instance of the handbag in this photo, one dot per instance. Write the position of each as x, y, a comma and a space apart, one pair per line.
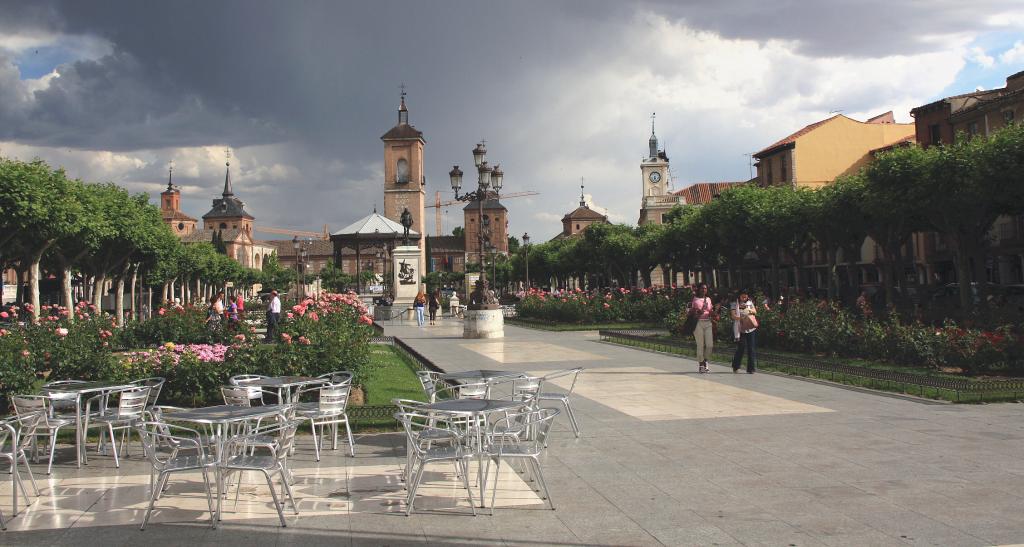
689, 325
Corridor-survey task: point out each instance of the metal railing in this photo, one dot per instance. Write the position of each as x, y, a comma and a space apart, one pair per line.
656, 340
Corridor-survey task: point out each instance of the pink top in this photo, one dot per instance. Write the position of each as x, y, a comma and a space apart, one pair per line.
703, 307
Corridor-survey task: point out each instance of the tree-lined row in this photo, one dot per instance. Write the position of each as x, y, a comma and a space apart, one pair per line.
50, 224
957, 190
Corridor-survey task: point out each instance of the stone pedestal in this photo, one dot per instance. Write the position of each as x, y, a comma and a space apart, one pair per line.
407, 273
483, 324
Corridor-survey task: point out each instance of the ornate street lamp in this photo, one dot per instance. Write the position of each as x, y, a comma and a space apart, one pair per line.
526, 258
489, 182
296, 245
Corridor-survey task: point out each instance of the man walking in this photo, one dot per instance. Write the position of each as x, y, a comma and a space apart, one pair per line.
273, 315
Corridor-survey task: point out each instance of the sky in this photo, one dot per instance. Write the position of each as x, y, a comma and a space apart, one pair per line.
300, 92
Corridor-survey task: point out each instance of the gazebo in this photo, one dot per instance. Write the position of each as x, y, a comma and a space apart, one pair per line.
371, 234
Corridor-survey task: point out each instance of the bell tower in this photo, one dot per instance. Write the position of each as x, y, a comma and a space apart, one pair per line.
404, 181
654, 168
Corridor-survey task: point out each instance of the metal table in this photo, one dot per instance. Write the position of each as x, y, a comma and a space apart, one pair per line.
220, 416
475, 408
284, 385
85, 388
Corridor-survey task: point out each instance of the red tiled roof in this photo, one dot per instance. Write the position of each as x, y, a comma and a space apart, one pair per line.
905, 141
584, 213
700, 193
793, 137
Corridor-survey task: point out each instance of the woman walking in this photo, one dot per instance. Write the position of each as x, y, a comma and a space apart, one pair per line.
703, 309
744, 316
214, 313
435, 302
421, 300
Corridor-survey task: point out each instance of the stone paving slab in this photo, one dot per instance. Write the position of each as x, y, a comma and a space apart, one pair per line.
666, 457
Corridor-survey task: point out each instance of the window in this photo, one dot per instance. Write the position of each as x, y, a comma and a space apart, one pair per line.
181, 226
972, 129
223, 226
934, 134
402, 171
782, 166
234, 226
1008, 117
577, 226
768, 167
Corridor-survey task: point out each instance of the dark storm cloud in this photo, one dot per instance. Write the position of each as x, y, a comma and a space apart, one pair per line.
559, 89
844, 27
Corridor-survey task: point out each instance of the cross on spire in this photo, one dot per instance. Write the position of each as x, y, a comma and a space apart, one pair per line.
170, 172
583, 201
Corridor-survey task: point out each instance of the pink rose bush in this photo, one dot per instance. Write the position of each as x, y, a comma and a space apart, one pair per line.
610, 306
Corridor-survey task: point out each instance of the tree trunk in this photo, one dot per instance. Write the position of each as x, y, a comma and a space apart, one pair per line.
776, 283
119, 295
69, 301
833, 274
961, 259
98, 289
135, 278
33, 280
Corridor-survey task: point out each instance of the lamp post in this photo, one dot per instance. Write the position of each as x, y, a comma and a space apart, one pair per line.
489, 181
526, 258
296, 245
304, 253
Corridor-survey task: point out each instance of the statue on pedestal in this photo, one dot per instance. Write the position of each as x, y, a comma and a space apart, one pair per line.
406, 220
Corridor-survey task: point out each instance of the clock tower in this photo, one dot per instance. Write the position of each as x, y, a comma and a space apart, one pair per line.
657, 199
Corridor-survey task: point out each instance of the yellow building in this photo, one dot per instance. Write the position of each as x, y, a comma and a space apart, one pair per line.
818, 153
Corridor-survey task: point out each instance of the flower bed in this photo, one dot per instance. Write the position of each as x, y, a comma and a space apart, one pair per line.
823, 328
613, 306
318, 336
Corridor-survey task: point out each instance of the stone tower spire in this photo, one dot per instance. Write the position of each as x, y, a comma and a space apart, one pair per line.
227, 174
652, 143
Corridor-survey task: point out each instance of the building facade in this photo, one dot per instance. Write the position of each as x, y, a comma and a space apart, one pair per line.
579, 219
816, 154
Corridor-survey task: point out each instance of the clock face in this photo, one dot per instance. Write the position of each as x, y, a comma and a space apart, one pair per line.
655, 177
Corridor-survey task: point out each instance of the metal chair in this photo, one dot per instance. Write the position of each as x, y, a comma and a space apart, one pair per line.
48, 426
16, 434
269, 465
564, 397
417, 425
430, 381
130, 406
338, 378
475, 390
164, 444
62, 403
448, 428
533, 427
155, 385
329, 409
256, 393
527, 389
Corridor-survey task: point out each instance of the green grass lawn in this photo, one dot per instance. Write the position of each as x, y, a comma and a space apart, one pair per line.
391, 375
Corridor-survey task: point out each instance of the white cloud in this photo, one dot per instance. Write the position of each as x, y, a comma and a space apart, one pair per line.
1013, 55
978, 56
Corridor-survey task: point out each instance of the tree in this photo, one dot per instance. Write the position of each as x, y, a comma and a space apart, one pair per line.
39, 210
276, 277
895, 186
459, 231
334, 279
968, 185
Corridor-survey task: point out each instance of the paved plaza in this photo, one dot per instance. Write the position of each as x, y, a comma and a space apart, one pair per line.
666, 456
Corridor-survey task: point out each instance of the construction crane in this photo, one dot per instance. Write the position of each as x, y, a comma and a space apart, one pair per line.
438, 204
324, 235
